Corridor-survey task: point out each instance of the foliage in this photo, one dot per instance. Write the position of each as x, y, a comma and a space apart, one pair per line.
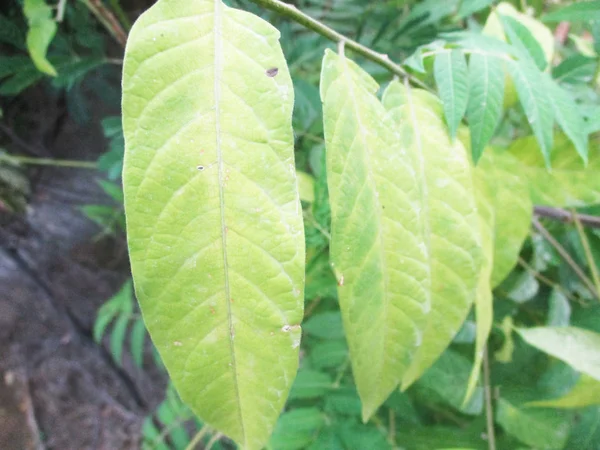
420, 264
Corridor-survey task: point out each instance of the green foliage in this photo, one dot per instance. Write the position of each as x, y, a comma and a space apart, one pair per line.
42, 29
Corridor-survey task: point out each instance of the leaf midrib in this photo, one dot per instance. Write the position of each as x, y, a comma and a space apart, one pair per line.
217, 96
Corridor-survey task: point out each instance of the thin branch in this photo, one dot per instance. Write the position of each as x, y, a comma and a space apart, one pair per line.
198, 438
565, 256
489, 410
292, 12
60, 10
28, 148
107, 19
547, 281
566, 216
49, 162
588, 251
213, 441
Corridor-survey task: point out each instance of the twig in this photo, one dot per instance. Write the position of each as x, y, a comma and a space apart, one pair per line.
49, 162
60, 10
588, 252
107, 19
198, 437
565, 255
116, 6
20, 142
213, 441
292, 12
489, 410
566, 216
547, 281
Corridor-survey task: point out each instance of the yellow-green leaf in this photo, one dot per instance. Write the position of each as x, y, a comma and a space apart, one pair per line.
378, 231
42, 29
450, 214
214, 220
570, 183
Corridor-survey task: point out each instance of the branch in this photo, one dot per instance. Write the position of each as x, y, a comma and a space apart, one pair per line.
566, 216
489, 408
107, 19
292, 12
565, 256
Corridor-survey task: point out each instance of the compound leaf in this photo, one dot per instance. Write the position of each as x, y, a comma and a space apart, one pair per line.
214, 219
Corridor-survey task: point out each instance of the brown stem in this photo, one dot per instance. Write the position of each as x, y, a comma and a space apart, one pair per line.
566, 216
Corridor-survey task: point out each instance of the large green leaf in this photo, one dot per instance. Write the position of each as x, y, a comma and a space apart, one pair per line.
525, 43
378, 231
42, 29
577, 347
486, 93
569, 184
451, 77
450, 215
214, 219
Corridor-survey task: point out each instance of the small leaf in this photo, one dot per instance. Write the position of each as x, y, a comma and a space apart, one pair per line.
580, 11
329, 354
559, 311
138, 336
570, 184
522, 39
539, 429
568, 116
42, 29
585, 393
577, 347
326, 325
117, 337
295, 429
468, 7
451, 77
536, 104
486, 94
311, 384
109, 310
306, 187
215, 228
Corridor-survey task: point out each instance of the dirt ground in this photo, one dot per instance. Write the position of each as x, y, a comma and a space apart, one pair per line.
58, 388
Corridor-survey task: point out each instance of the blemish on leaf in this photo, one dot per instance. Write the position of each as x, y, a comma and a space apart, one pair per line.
288, 328
177, 344
272, 72
200, 168
212, 310
341, 280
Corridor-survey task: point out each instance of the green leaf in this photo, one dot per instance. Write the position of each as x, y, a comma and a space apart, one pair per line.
10, 33
537, 428
577, 347
559, 311
326, 325
377, 231
138, 336
580, 11
512, 209
328, 354
117, 336
171, 419
311, 384
468, 7
585, 393
42, 29
214, 221
570, 184
449, 215
536, 104
447, 380
568, 116
306, 187
520, 37
20, 81
451, 77
486, 94
120, 302
296, 429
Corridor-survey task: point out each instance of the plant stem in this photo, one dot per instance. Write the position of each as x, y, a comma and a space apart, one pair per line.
547, 281
50, 162
213, 441
566, 216
60, 10
489, 410
565, 255
107, 19
292, 12
588, 251
198, 437
116, 6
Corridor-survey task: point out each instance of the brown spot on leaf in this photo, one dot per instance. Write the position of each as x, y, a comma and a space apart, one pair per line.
272, 72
